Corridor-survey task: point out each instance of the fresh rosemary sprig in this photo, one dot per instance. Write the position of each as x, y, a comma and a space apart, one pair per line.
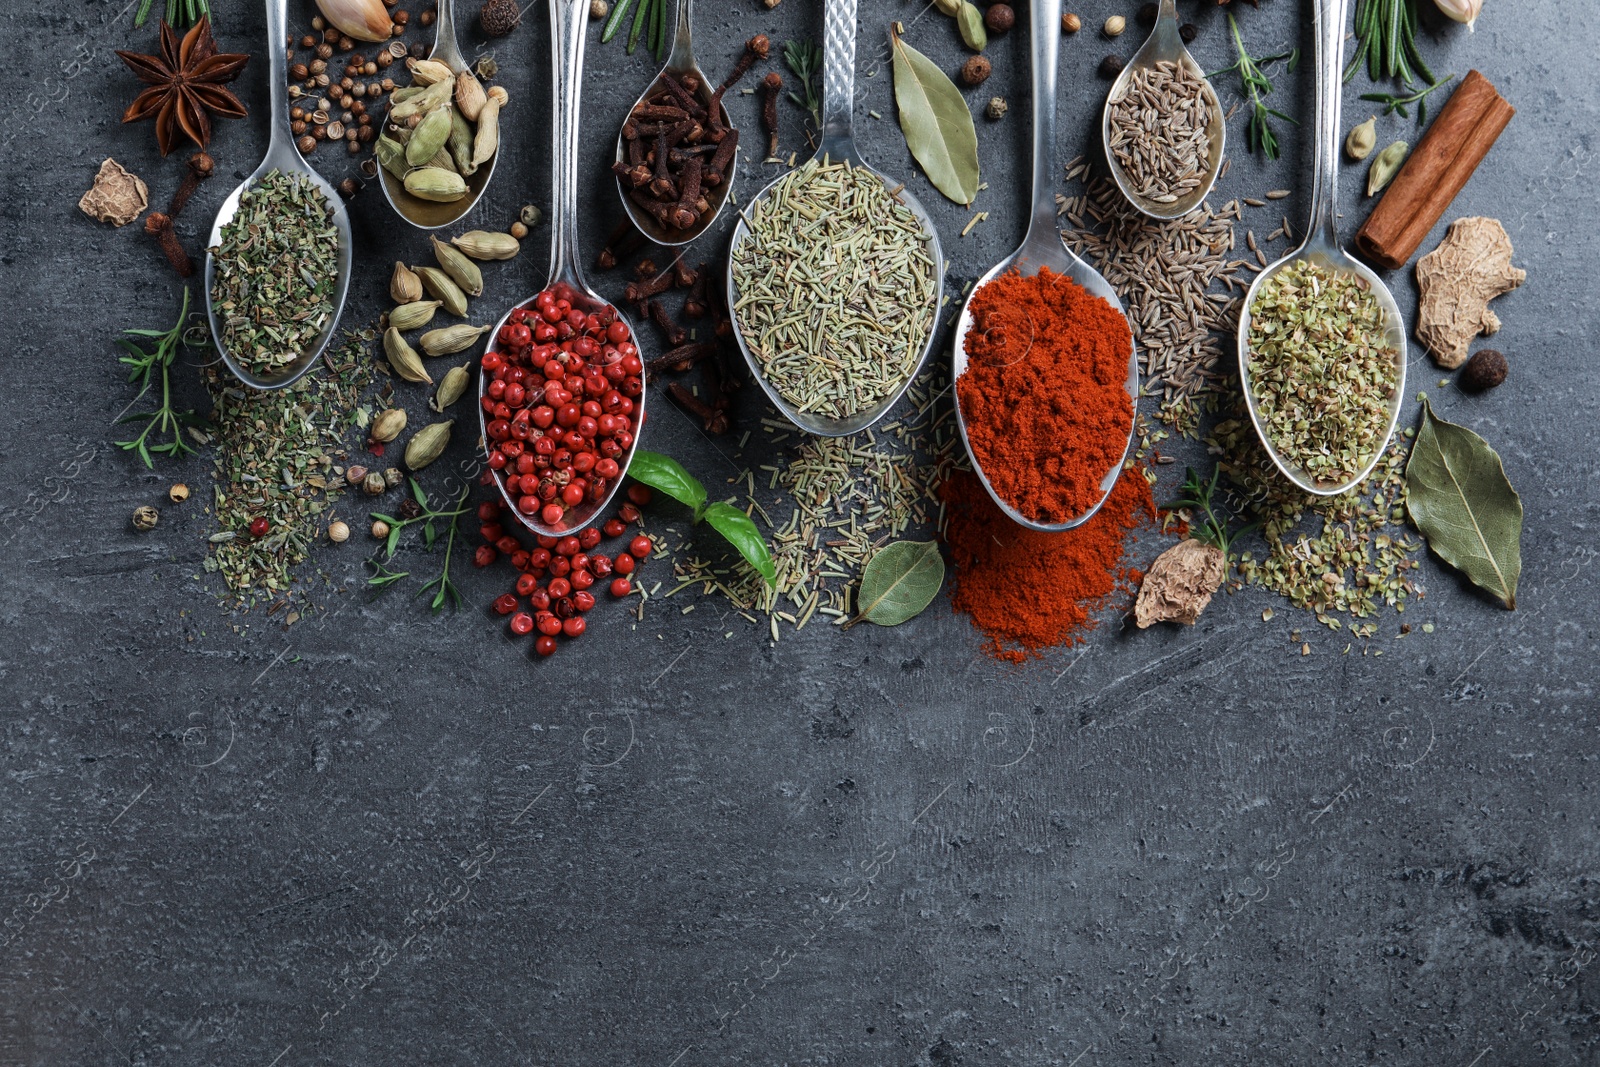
164, 421
649, 24
1387, 30
1400, 101
1254, 83
383, 577
1198, 497
804, 58
181, 14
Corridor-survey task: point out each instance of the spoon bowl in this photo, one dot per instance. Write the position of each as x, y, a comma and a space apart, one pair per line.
1321, 247
282, 156
569, 25
431, 214
1042, 247
680, 63
1165, 45
837, 145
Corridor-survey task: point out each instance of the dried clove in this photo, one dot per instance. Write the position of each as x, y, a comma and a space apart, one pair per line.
680, 359
201, 167
159, 226
682, 276
772, 88
648, 289
715, 421
674, 334
694, 305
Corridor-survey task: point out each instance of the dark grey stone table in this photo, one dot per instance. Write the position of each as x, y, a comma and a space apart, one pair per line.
382, 837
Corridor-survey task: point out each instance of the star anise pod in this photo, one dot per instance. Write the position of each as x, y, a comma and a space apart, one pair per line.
186, 85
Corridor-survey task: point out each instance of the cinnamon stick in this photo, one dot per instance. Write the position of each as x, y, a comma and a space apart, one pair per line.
1436, 171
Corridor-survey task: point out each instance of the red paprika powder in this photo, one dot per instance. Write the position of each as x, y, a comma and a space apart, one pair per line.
1044, 393
1028, 590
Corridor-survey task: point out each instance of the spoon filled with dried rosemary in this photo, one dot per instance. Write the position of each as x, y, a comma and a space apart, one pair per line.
1163, 125
561, 349
835, 272
278, 260
1067, 283
1322, 345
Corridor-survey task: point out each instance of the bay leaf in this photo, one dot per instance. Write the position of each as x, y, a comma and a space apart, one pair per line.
937, 125
969, 20
899, 581
1459, 497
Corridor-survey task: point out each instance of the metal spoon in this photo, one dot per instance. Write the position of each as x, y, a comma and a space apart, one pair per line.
1042, 247
679, 63
837, 143
569, 21
1321, 247
431, 214
1166, 45
284, 157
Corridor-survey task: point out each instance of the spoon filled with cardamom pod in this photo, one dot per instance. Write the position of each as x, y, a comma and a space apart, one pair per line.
1163, 125
279, 257
437, 148
556, 460
1322, 344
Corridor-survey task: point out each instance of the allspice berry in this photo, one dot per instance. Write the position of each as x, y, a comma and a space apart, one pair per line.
598, 9
1071, 23
999, 18
338, 532
1485, 370
178, 493
1115, 25
1188, 31
145, 518
997, 108
976, 70
1111, 66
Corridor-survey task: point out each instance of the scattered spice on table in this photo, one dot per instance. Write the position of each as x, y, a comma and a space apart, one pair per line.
1044, 393
834, 288
1160, 131
1322, 369
1026, 590
277, 266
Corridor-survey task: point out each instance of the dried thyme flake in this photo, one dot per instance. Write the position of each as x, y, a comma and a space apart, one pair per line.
1322, 369
276, 453
277, 266
835, 285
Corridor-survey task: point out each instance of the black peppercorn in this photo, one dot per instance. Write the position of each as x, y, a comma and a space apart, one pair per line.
1111, 66
1147, 14
1485, 370
1188, 31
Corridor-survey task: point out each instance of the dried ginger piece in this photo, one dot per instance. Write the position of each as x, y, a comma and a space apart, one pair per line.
1179, 584
1471, 266
118, 196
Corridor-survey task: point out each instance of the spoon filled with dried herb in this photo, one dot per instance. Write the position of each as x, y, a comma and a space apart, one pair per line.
1322, 346
278, 261
1046, 374
835, 273
1163, 125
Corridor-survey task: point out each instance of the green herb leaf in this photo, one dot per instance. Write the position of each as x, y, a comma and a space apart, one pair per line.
742, 534
1459, 497
668, 475
936, 123
614, 23
900, 581
969, 20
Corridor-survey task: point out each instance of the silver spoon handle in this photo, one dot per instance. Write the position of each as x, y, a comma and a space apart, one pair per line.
1329, 20
838, 69
569, 23
445, 49
282, 138
1046, 30
682, 57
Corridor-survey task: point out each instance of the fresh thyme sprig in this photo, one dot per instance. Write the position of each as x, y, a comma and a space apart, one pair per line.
1387, 30
804, 58
649, 23
1400, 101
164, 421
1254, 83
445, 586
383, 577
1198, 497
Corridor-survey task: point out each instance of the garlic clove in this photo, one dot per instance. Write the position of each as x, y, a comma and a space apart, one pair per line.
365, 20
1466, 11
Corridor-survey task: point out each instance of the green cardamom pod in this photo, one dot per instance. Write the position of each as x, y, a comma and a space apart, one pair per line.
387, 424
1362, 139
951, 8
428, 444
487, 141
404, 285
483, 244
429, 136
429, 71
451, 387
432, 183
425, 102
969, 20
460, 143
391, 155
451, 339
403, 358
413, 316
470, 96
447, 291
462, 270
441, 159
1385, 166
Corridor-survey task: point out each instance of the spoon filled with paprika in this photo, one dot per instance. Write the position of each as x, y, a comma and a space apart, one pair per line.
561, 393
1046, 375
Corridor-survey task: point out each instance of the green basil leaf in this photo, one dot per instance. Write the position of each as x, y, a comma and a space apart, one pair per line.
1459, 497
742, 534
936, 123
667, 475
969, 20
900, 581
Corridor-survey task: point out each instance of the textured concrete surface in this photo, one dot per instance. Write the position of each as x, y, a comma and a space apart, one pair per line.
384, 837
